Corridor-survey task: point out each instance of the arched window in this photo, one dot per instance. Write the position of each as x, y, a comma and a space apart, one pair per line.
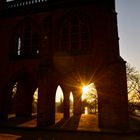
27, 40
75, 35
19, 46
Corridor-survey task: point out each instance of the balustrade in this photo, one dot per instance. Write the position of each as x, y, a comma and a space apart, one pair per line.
21, 3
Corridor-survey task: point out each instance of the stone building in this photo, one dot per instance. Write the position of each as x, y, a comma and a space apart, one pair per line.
71, 43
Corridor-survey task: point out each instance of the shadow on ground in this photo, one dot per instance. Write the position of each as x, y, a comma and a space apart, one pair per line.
75, 128
35, 134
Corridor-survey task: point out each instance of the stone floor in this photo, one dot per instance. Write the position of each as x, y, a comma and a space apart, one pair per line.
84, 122
84, 127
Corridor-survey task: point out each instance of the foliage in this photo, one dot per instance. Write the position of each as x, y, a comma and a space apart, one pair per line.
90, 99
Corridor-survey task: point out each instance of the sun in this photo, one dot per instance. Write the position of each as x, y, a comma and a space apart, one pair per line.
88, 90
85, 89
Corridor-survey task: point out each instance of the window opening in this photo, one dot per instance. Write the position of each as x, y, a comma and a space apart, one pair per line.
27, 40
19, 46
75, 35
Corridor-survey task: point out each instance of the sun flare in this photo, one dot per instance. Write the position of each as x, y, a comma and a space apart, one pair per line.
88, 91
85, 89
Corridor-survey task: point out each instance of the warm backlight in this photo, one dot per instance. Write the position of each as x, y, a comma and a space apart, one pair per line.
85, 89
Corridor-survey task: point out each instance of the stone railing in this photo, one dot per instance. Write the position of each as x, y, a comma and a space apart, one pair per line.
22, 3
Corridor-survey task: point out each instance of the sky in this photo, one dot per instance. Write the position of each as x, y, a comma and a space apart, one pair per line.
129, 30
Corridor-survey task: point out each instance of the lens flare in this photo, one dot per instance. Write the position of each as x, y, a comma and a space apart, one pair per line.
85, 89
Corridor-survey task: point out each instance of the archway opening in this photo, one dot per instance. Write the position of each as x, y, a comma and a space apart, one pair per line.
22, 94
89, 99
59, 104
71, 103
22, 104
34, 102
12, 100
20, 99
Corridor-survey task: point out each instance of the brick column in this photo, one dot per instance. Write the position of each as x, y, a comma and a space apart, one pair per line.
113, 98
66, 103
46, 100
3, 105
77, 102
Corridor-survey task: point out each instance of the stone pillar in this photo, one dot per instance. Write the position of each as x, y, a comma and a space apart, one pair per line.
46, 100
77, 102
113, 98
66, 103
3, 105
47, 79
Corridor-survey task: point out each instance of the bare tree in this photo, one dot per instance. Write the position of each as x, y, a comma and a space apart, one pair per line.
133, 84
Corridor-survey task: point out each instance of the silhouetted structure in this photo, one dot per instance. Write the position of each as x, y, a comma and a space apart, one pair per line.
46, 43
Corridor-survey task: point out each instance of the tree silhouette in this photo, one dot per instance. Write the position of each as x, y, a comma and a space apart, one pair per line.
133, 84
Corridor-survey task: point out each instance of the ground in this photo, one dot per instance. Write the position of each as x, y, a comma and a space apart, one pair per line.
82, 127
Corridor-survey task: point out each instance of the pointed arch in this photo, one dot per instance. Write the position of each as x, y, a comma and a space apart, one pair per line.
26, 39
89, 99
71, 98
20, 90
75, 34
35, 101
59, 104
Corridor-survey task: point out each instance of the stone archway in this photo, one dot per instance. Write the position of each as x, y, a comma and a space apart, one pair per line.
71, 103
89, 99
59, 104
20, 92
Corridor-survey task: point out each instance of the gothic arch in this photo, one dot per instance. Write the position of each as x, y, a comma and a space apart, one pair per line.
26, 39
59, 104
74, 33
20, 90
67, 104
